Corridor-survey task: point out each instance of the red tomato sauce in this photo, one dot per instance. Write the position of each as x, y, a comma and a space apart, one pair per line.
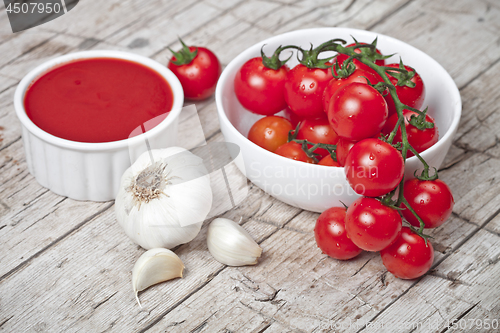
98, 99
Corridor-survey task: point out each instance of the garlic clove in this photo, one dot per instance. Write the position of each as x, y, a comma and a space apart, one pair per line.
155, 266
230, 244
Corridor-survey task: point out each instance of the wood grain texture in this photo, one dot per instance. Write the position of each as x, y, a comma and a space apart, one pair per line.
65, 265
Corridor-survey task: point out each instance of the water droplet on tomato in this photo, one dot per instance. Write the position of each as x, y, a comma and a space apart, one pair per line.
338, 245
303, 87
311, 85
372, 157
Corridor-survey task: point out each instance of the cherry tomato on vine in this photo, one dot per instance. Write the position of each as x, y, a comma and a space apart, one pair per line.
293, 150
331, 235
261, 89
270, 132
304, 89
408, 257
432, 200
198, 70
343, 148
358, 75
318, 131
357, 111
328, 161
413, 97
418, 139
342, 57
373, 167
371, 225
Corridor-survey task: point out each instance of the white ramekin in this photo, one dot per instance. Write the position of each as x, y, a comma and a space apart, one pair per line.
90, 171
316, 187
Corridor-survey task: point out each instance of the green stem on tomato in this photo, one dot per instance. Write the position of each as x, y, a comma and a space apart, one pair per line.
399, 106
420, 230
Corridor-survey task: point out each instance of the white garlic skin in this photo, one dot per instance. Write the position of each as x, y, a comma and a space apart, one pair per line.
230, 244
175, 216
155, 266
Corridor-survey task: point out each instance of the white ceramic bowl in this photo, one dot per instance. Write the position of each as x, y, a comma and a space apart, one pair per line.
90, 171
315, 187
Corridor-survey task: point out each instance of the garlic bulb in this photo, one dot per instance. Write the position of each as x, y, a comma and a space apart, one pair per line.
163, 203
230, 244
155, 266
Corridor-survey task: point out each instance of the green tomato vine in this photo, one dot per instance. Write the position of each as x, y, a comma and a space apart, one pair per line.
367, 56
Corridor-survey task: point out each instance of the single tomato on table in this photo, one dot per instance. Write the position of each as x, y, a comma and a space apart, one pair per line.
259, 85
374, 167
198, 70
357, 111
318, 131
371, 225
331, 235
409, 257
432, 200
270, 132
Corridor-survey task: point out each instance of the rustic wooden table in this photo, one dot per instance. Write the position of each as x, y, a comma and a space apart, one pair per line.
65, 265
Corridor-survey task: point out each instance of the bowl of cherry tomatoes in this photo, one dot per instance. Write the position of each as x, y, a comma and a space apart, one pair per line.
293, 147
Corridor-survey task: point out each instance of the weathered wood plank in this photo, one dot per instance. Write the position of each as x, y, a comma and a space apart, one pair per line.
459, 284
480, 120
306, 282
100, 288
152, 36
298, 287
461, 35
102, 19
21, 44
58, 45
475, 186
355, 14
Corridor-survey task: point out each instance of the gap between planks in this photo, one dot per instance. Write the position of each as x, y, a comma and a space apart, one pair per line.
436, 264
57, 240
212, 276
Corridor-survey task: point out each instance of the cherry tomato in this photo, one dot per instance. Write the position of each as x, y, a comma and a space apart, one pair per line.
418, 139
430, 199
318, 131
304, 89
408, 257
342, 57
373, 167
357, 76
413, 97
293, 150
199, 76
357, 111
328, 161
270, 132
331, 236
371, 225
261, 89
292, 117
343, 148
